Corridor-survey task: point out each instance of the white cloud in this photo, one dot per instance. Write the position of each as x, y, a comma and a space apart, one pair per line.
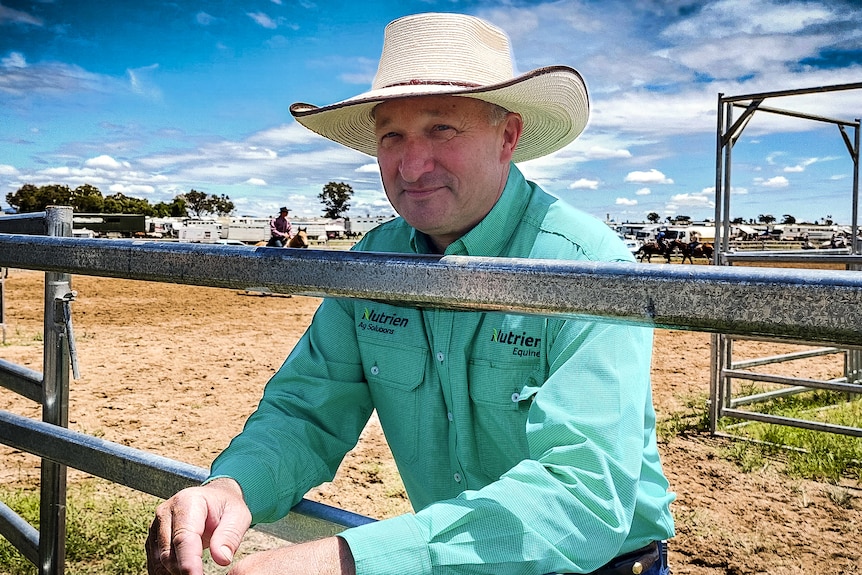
743, 17
14, 60
600, 153
653, 176
263, 20
370, 168
584, 184
104, 162
6, 170
204, 19
692, 200
800, 167
776, 182
134, 190
626, 202
643, 192
142, 82
256, 182
18, 17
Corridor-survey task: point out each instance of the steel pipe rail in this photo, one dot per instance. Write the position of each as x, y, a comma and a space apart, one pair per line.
153, 474
23, 381
795, 304
22, 536
839, 385
791, 422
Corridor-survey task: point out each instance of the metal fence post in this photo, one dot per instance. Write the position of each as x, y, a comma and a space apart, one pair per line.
55, 403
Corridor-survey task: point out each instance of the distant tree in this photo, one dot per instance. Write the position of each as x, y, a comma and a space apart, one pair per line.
653, 217
684, 219
197, 203
30, 198
766, 219
87, 199
788, 219
221, 205
738, 221
202, 204
175, 209
335, 198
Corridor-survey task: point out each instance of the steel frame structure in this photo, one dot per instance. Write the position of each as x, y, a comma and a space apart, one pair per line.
724, 368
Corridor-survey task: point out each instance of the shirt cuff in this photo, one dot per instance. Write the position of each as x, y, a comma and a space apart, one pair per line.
393, 546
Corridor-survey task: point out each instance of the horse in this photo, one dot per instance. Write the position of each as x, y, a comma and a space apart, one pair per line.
650, 249
691, 250
300, 240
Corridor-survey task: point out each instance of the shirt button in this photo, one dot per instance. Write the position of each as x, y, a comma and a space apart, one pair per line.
515, 397
375, 370
457, 478
440, 356
450, 416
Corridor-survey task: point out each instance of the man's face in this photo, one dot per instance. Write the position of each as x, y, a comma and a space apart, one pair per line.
442, 161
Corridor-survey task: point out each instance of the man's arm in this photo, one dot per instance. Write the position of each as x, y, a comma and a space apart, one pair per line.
330, 556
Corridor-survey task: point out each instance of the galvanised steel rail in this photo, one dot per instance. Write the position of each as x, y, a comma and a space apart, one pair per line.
791, 304
150, 473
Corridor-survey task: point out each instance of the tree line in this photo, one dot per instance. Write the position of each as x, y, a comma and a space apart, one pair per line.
89, 200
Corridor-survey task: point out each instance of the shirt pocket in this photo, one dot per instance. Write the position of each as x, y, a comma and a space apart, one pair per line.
501, 394
395, 375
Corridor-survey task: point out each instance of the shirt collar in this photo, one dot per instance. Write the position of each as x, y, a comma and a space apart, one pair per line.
491, 235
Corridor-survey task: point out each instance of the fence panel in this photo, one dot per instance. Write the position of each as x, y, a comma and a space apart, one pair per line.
792, 304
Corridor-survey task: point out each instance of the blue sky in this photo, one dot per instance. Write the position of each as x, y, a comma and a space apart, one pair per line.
154, 98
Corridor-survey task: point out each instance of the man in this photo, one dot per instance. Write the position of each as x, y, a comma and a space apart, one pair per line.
280, 230
526, 444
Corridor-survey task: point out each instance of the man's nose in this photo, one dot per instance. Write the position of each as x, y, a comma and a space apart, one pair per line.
416, 159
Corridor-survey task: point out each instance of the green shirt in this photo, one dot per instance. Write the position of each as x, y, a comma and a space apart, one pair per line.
526, 444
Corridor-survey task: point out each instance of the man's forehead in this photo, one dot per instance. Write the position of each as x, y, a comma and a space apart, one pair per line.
427, 106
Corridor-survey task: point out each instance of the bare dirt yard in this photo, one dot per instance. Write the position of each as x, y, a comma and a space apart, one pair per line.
176, 369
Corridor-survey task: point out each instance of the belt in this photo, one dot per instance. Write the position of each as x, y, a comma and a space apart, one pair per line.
632, 563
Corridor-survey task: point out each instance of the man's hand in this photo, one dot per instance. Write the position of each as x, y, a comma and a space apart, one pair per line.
214, 515
330, 556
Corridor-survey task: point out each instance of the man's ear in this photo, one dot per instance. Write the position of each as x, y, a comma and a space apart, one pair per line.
512, 126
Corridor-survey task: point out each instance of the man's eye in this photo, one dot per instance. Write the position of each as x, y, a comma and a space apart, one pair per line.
443, 131
388, 137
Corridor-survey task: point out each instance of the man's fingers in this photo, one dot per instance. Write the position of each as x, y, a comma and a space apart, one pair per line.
228, 534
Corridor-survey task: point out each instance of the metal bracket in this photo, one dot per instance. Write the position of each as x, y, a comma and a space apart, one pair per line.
65, 302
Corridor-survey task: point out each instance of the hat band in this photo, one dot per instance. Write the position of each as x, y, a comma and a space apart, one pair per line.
433, 83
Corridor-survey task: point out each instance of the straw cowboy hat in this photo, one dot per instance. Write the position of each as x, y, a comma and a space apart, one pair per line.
458, 55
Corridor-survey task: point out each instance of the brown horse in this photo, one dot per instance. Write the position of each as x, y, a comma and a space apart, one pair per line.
650, 249
300, 240
691, 250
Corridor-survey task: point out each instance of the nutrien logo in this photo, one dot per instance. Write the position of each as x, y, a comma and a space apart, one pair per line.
380, 321
518, 342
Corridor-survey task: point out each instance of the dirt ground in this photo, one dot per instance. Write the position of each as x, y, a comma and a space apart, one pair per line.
176, 369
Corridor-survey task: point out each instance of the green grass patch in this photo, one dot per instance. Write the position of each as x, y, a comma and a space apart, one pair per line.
106, 527
693, 420
809, 454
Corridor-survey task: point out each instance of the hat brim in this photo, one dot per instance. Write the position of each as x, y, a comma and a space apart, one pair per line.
552, 101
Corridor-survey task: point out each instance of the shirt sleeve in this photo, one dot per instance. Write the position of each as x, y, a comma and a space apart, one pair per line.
571, 505
311, 414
